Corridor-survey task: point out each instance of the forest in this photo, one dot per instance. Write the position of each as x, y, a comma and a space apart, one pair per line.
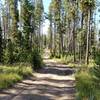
72, 41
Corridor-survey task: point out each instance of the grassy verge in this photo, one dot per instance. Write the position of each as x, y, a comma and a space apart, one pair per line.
85, 86
68, 60
9, 75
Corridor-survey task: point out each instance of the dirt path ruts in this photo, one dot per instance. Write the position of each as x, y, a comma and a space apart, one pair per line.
54, 82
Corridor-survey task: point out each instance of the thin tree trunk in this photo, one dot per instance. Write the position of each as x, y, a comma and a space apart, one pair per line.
74, 42
1, 49
51, 38
80, 46
87, 45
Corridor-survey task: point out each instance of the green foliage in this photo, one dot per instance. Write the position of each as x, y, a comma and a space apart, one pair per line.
87, 4
88, 82
67, 59
12, 74
96, 71
18, 55
37, 61
96, 76
24, 56
7, 80
8, 56
85, 86
97, 57
13, 4
38, 12
91, 63
20, 70
26, 7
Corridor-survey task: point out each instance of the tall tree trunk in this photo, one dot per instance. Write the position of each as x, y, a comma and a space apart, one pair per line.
74, 41
87, 42
1, 49
62, 43
80, 45
55, 39
51, 37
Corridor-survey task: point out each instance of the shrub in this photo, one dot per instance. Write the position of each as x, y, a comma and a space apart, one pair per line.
25, 56
8, 56
37, 61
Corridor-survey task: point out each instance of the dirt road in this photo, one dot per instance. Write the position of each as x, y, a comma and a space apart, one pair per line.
54, 82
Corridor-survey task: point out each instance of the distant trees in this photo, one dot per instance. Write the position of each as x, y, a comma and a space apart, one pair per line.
38, 14
55, 18
50, 17
73, 29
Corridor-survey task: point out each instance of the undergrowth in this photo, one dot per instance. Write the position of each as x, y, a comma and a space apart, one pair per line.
12, 74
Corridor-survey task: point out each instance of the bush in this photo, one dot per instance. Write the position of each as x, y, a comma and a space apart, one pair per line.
8, 56
37, 61
24, 56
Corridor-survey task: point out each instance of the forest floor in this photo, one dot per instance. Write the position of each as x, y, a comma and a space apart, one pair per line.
53, 82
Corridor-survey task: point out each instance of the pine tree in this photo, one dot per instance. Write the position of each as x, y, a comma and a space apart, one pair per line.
26, 20
14, 18
55, 10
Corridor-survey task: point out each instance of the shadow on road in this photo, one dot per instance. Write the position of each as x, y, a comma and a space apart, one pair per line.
54, 82
57, 70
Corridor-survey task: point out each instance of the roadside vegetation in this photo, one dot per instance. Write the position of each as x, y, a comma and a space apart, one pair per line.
21, 42
88, 81
9, 75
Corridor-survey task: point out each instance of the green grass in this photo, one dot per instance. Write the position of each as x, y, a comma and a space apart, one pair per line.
85, 87
64, 59
9, 75
98, 94
7, 80
68, 60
